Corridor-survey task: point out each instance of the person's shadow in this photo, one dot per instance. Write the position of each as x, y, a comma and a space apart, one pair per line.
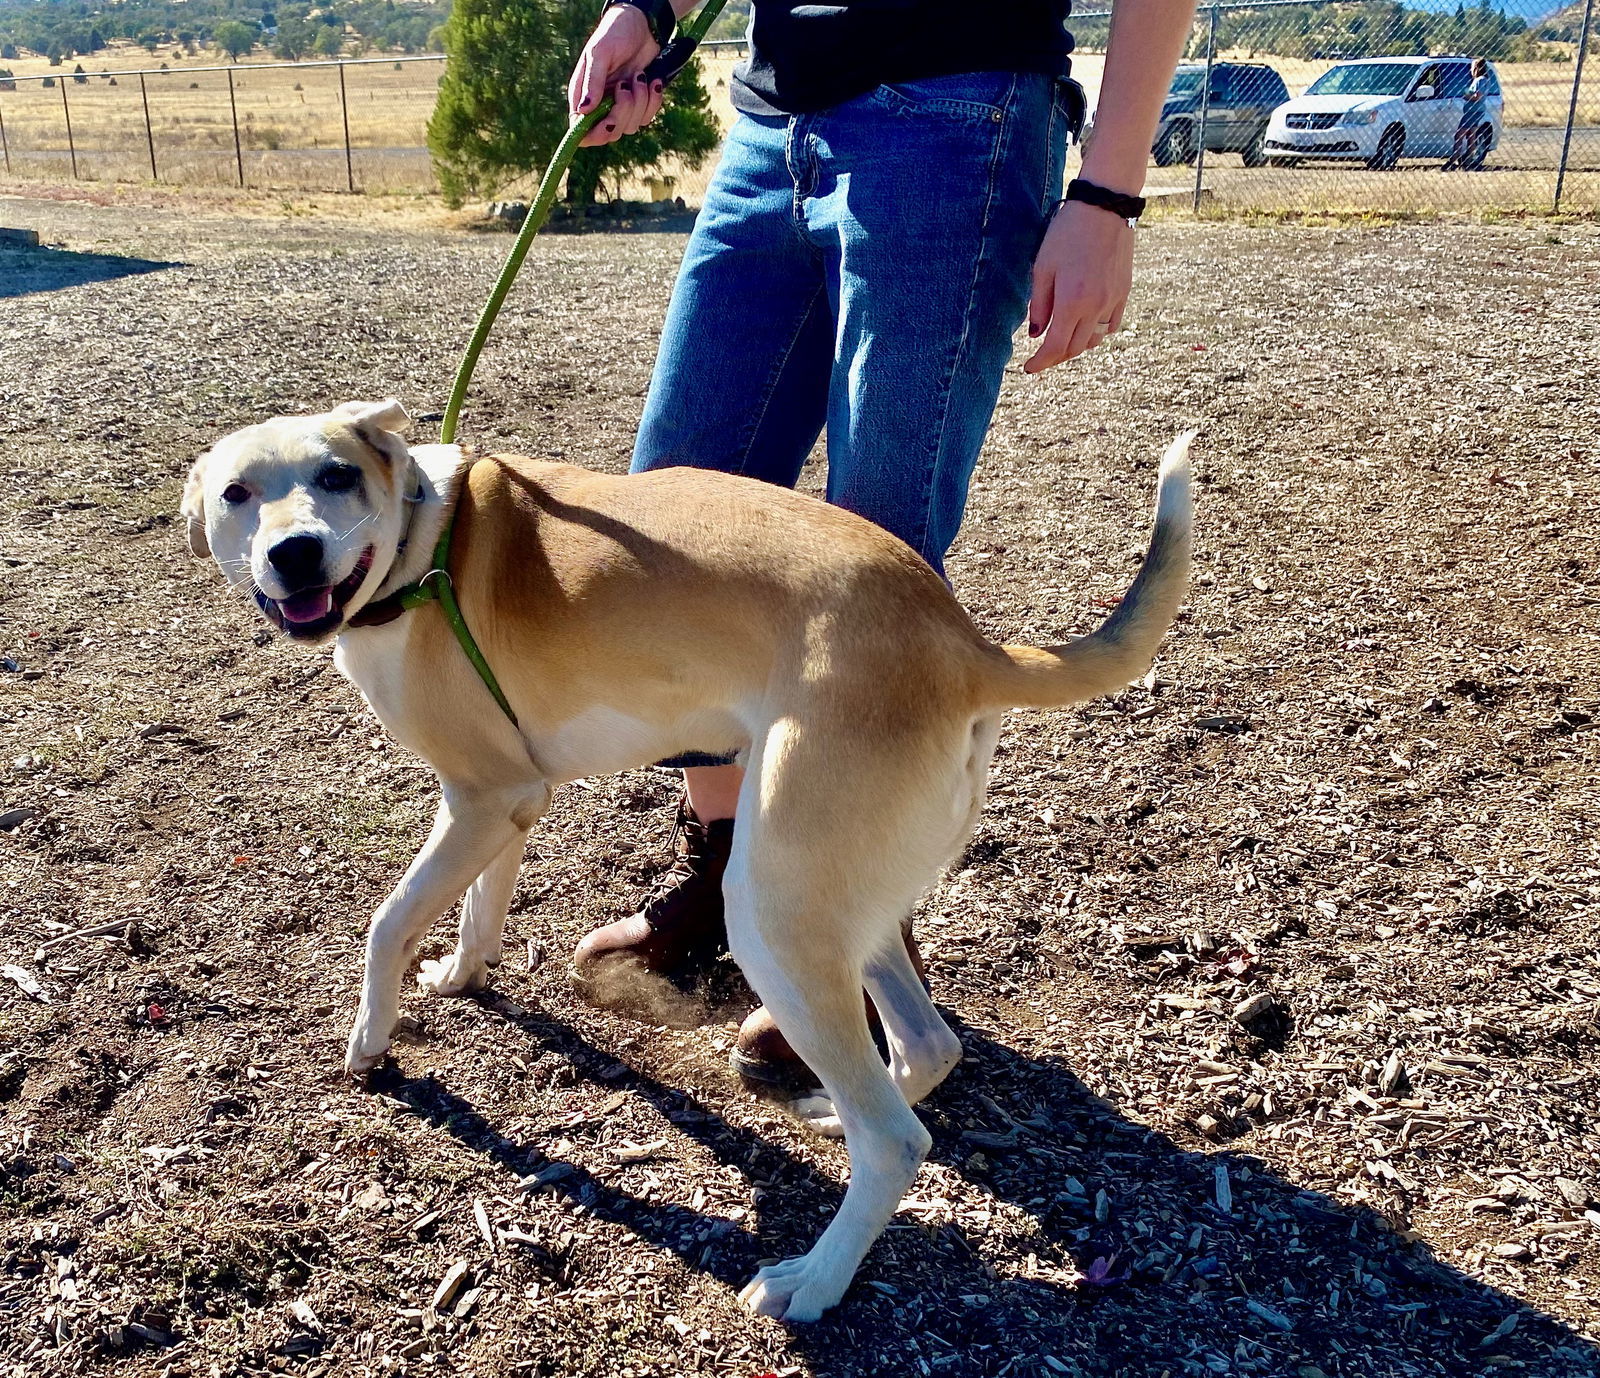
27, 269
1138, 1257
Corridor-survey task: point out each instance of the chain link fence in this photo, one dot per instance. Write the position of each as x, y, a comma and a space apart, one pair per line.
1285, 106
1278, 106
358, 124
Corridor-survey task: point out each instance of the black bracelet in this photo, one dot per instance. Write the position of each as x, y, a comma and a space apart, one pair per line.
658, 14
1128, 208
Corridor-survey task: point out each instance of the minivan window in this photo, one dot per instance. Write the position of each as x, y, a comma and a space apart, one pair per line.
1258, 86
1366, 79
1453, 85
1185, 82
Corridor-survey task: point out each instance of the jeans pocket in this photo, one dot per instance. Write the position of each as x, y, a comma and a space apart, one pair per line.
978, 97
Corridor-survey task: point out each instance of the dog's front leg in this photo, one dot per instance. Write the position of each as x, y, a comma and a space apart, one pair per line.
469, 832
483, 921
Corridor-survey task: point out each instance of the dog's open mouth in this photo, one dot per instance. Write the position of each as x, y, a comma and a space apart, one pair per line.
311, 612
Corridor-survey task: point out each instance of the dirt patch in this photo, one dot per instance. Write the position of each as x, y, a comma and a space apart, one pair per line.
1276, 974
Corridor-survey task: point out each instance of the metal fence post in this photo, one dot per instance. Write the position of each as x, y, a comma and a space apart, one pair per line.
72, 148
4, 146
1205, 107
1572, 105
344, 112
233, 105
149, 134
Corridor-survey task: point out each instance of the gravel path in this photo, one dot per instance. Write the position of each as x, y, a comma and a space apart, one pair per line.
1276, 974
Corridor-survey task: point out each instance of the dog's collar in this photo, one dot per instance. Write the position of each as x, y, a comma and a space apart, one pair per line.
436, 585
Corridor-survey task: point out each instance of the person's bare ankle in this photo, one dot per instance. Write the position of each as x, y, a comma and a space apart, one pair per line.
713, 791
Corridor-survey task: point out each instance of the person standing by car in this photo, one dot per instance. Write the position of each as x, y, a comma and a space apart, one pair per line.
1471, 115
884, 216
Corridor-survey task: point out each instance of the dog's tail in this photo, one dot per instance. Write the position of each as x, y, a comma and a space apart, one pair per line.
1122, 647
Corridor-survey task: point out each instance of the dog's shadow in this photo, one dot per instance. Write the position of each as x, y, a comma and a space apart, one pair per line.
1131, 1255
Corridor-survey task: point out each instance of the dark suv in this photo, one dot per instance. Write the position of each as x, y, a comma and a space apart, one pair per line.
1243, 94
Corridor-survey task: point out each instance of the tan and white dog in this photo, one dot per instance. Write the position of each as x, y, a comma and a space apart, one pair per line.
632, 618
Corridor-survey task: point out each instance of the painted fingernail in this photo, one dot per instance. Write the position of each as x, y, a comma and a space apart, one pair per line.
1034, 331
585, 103
660, 87
611, 129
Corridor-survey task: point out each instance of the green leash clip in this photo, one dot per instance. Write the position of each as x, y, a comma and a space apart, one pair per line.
437, 586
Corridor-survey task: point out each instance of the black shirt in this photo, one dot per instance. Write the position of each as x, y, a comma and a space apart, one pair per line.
807, 57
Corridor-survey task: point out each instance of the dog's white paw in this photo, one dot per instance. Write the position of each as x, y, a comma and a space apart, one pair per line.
453, 975
366, 1049
794, 1290
818, 1115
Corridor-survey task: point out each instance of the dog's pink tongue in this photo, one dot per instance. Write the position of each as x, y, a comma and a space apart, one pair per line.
311, 606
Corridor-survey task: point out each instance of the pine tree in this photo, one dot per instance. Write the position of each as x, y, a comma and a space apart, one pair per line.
502, 106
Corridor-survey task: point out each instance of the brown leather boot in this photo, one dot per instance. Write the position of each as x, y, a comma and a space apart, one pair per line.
677, 933
769, 1067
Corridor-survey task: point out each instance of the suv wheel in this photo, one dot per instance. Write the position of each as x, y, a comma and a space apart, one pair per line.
1253, 153
1175, 145
1390, 147
1478, 148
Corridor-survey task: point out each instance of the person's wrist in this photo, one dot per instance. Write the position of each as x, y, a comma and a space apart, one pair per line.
658, 16
1123, 181
1124, 207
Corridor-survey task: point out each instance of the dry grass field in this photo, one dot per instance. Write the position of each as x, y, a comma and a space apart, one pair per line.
292, 136
1276, 973
291, 122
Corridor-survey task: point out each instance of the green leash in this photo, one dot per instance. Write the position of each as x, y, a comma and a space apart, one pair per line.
436, 584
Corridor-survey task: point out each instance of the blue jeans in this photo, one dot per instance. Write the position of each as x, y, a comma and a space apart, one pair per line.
862, 268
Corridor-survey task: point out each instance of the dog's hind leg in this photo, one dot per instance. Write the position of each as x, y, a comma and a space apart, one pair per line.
923, 1049
807, 898
470, 832
483, 920
815, 995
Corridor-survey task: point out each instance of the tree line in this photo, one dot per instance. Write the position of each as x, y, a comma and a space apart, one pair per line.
62, 29
1371, 28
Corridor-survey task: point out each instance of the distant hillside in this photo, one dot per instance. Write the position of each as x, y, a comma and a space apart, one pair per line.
297, 28
1367, 28
733, 22
1565, 25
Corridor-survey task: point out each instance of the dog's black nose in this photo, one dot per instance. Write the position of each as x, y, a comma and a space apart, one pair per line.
298, 561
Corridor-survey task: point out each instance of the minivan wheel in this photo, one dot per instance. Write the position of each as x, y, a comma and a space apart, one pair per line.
1389, 149
1253, 153
1174, 146
1478, 149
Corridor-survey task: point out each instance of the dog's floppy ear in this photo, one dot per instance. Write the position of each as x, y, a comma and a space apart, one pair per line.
387, 415
193, 507
377, 423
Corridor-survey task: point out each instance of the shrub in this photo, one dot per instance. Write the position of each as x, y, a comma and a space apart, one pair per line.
502, 106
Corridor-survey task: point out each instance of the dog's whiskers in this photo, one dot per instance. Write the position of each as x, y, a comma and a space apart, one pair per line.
345, 535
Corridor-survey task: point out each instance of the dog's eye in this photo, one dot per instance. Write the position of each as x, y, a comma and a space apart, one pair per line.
339, 478
236, 493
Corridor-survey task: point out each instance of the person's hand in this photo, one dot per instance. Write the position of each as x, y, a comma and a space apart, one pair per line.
1081, 280
614, 60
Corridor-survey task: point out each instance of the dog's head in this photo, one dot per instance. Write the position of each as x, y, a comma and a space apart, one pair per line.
305, 514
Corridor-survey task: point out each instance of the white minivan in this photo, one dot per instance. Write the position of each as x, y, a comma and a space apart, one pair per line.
1381, 109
